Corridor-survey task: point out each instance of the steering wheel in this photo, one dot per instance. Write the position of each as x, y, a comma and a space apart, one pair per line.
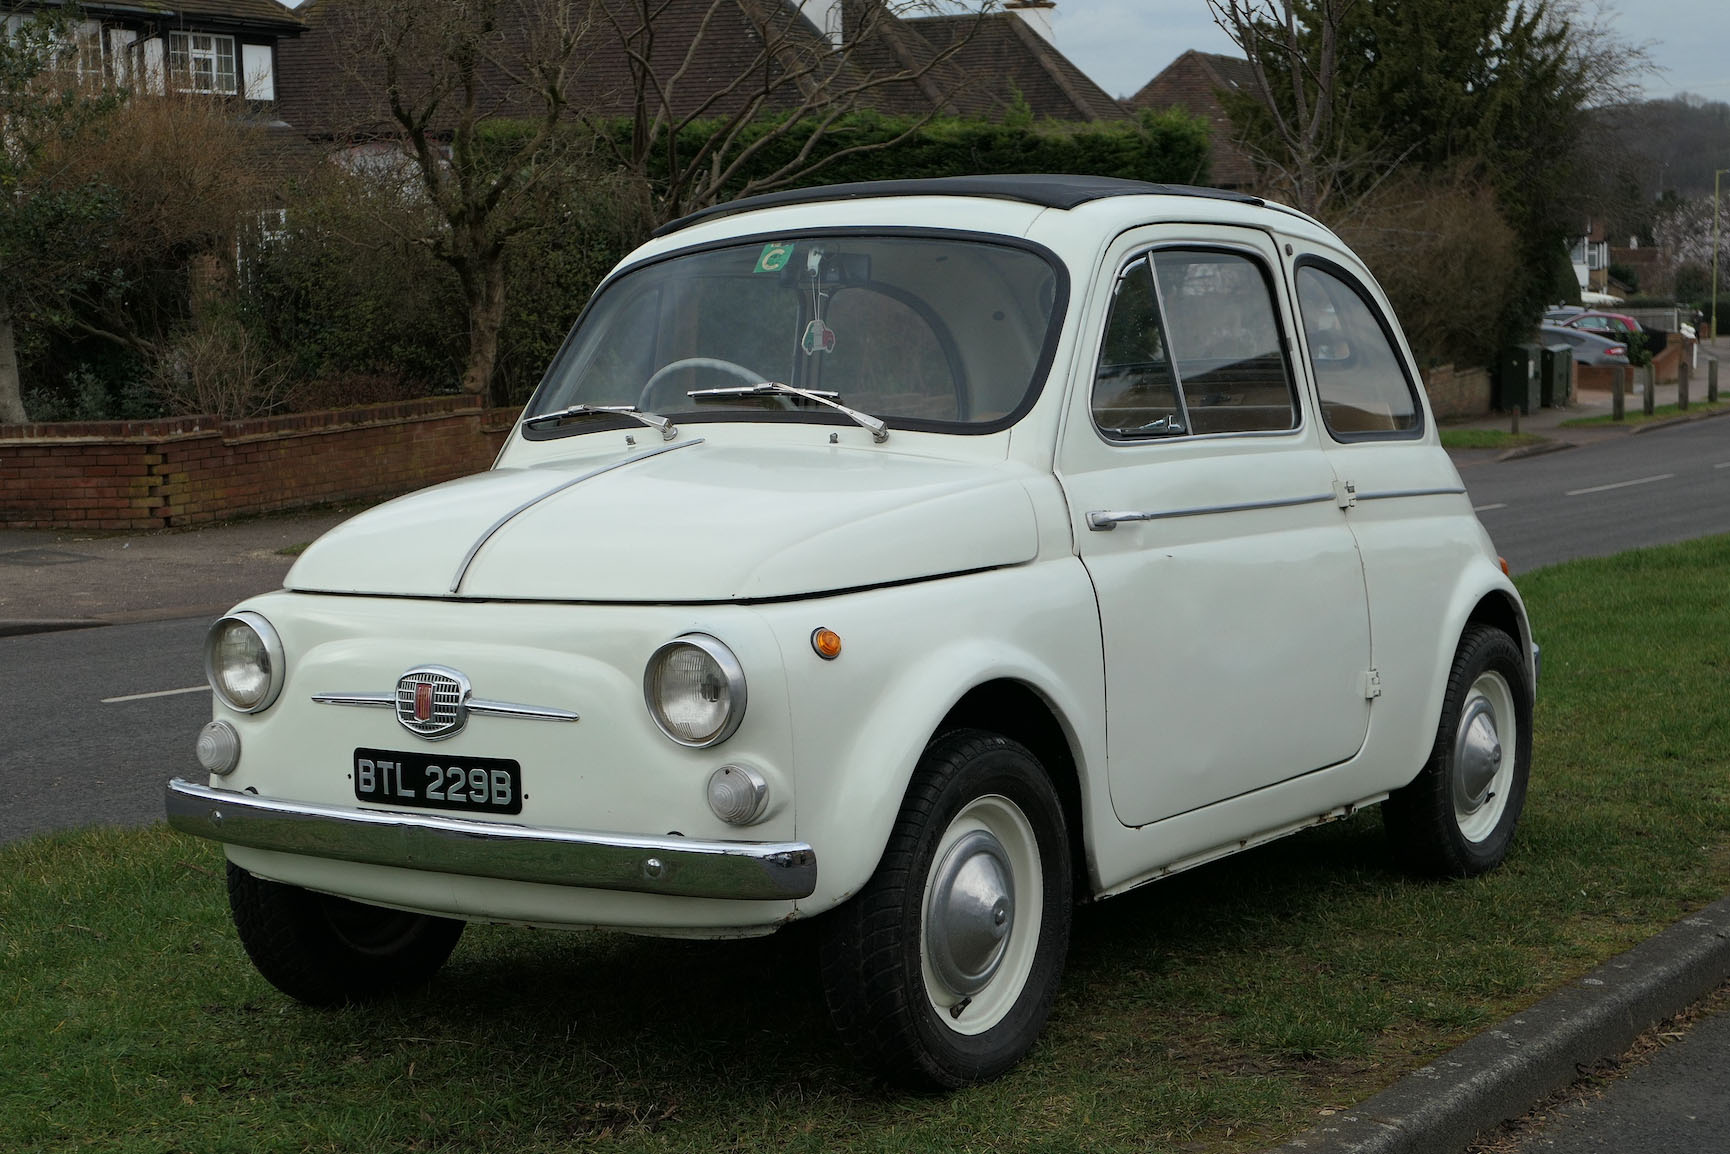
749, 376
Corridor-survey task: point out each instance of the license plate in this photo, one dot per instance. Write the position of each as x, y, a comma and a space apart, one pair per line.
469, 784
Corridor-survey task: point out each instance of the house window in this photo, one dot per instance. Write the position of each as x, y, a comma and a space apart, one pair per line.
200, 63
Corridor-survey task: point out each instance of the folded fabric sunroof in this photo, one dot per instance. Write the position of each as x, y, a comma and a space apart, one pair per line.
1045, 189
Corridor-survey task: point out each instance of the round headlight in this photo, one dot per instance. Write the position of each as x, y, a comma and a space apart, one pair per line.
695, 690
243, 661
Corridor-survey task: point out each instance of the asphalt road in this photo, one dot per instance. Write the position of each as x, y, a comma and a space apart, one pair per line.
1667, 485
70, 755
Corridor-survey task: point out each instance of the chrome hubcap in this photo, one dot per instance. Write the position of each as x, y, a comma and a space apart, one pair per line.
971, 912
1484, 743
1477, 756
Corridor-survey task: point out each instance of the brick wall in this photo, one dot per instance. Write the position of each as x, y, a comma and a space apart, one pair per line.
185, 470
1458, 392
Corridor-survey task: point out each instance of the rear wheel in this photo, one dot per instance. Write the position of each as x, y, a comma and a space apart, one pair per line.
326, 950
1458, 817
941, 972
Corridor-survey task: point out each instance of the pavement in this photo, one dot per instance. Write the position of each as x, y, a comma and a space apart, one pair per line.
1557, 427
71, 579
53, 580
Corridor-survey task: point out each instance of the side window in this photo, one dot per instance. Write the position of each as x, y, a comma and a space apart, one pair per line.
1133, 389
1193, 346
1359, 375
1225, 339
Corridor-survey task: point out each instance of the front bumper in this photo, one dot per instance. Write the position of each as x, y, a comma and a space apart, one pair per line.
674, 866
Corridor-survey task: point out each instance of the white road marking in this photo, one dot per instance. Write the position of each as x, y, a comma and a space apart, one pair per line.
1722, 465
158, 693
1619, 485
1487, 508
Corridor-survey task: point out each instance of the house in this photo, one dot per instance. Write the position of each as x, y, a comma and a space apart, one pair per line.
226, 48
973, 66
1194, 82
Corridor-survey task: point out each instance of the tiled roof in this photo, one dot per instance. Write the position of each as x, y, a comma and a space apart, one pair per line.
320, 90
1193, 82
1002, 56
266, 14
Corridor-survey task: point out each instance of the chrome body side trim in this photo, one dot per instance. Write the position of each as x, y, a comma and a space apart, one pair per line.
1104, 520
469, 557
675, 866
1397, 493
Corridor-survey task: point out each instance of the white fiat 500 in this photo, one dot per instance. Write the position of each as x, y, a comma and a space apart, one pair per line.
919, 557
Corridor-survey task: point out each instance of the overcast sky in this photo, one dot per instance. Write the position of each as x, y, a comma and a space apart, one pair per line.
1121, 44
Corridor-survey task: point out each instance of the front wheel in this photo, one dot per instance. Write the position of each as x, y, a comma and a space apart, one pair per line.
326, 950
941, 972
1458, 817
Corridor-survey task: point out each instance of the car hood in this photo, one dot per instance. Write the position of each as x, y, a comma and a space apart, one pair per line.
692, 521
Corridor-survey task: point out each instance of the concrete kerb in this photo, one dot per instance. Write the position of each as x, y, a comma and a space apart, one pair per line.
1499, 1074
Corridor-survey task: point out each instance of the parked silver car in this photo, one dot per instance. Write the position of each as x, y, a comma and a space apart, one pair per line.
1589, 348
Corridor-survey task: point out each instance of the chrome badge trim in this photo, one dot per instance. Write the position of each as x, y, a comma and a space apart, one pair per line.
444, 696
432, 702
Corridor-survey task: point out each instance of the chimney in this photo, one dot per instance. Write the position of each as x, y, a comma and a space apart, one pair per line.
1038, 14
827, 16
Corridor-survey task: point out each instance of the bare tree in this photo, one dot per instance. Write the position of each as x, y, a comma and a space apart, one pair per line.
809, 66
1298, 87
448, 70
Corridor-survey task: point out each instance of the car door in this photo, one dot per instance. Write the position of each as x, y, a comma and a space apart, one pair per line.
1231, 598
1410, 514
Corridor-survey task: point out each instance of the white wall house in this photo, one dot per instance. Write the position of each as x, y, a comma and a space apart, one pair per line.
222, 48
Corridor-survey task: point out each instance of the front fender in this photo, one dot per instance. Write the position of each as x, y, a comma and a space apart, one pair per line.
861, 722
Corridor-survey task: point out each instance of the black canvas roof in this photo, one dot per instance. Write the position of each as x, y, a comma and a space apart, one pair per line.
1048, 190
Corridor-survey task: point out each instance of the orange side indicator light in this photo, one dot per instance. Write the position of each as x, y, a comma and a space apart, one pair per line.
1503, 561
827, 643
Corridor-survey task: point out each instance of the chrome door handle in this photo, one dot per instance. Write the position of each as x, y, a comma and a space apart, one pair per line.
1103, 520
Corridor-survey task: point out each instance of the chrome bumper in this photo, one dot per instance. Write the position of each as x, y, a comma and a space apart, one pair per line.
675, 866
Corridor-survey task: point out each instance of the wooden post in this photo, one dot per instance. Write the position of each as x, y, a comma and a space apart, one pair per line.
1618, 391
1651, 386
1711, 380
1682, 375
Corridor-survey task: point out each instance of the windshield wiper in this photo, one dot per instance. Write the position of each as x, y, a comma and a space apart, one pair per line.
879, 430
653, 420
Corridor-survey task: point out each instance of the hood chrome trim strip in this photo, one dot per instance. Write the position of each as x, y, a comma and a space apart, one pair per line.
468, 559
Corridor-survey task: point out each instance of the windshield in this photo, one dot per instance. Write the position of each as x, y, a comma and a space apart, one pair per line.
922, 332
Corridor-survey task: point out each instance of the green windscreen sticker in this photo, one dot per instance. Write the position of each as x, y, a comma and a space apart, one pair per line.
774, 257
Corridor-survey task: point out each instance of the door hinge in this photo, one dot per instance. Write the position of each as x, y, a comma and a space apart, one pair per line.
1372, 684
1345, 494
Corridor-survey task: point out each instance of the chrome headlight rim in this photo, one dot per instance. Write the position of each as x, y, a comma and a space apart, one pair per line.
272, 643
730, 668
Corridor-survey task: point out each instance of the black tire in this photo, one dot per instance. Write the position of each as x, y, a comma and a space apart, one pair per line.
327, 951
885, 982
1457, 818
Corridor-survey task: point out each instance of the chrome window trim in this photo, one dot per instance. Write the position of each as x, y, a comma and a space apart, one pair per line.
1105, 520
1288, 346
674, 866
273, 651
730, 668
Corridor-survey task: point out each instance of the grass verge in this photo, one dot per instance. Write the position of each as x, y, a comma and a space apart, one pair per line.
1487, 439
1222, 1010
1636, 415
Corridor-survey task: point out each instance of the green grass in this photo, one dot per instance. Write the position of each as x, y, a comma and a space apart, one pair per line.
293, 550
1222, 1010
1635, 414
1488, 439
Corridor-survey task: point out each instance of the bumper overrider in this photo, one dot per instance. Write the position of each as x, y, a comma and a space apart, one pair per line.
674, 866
